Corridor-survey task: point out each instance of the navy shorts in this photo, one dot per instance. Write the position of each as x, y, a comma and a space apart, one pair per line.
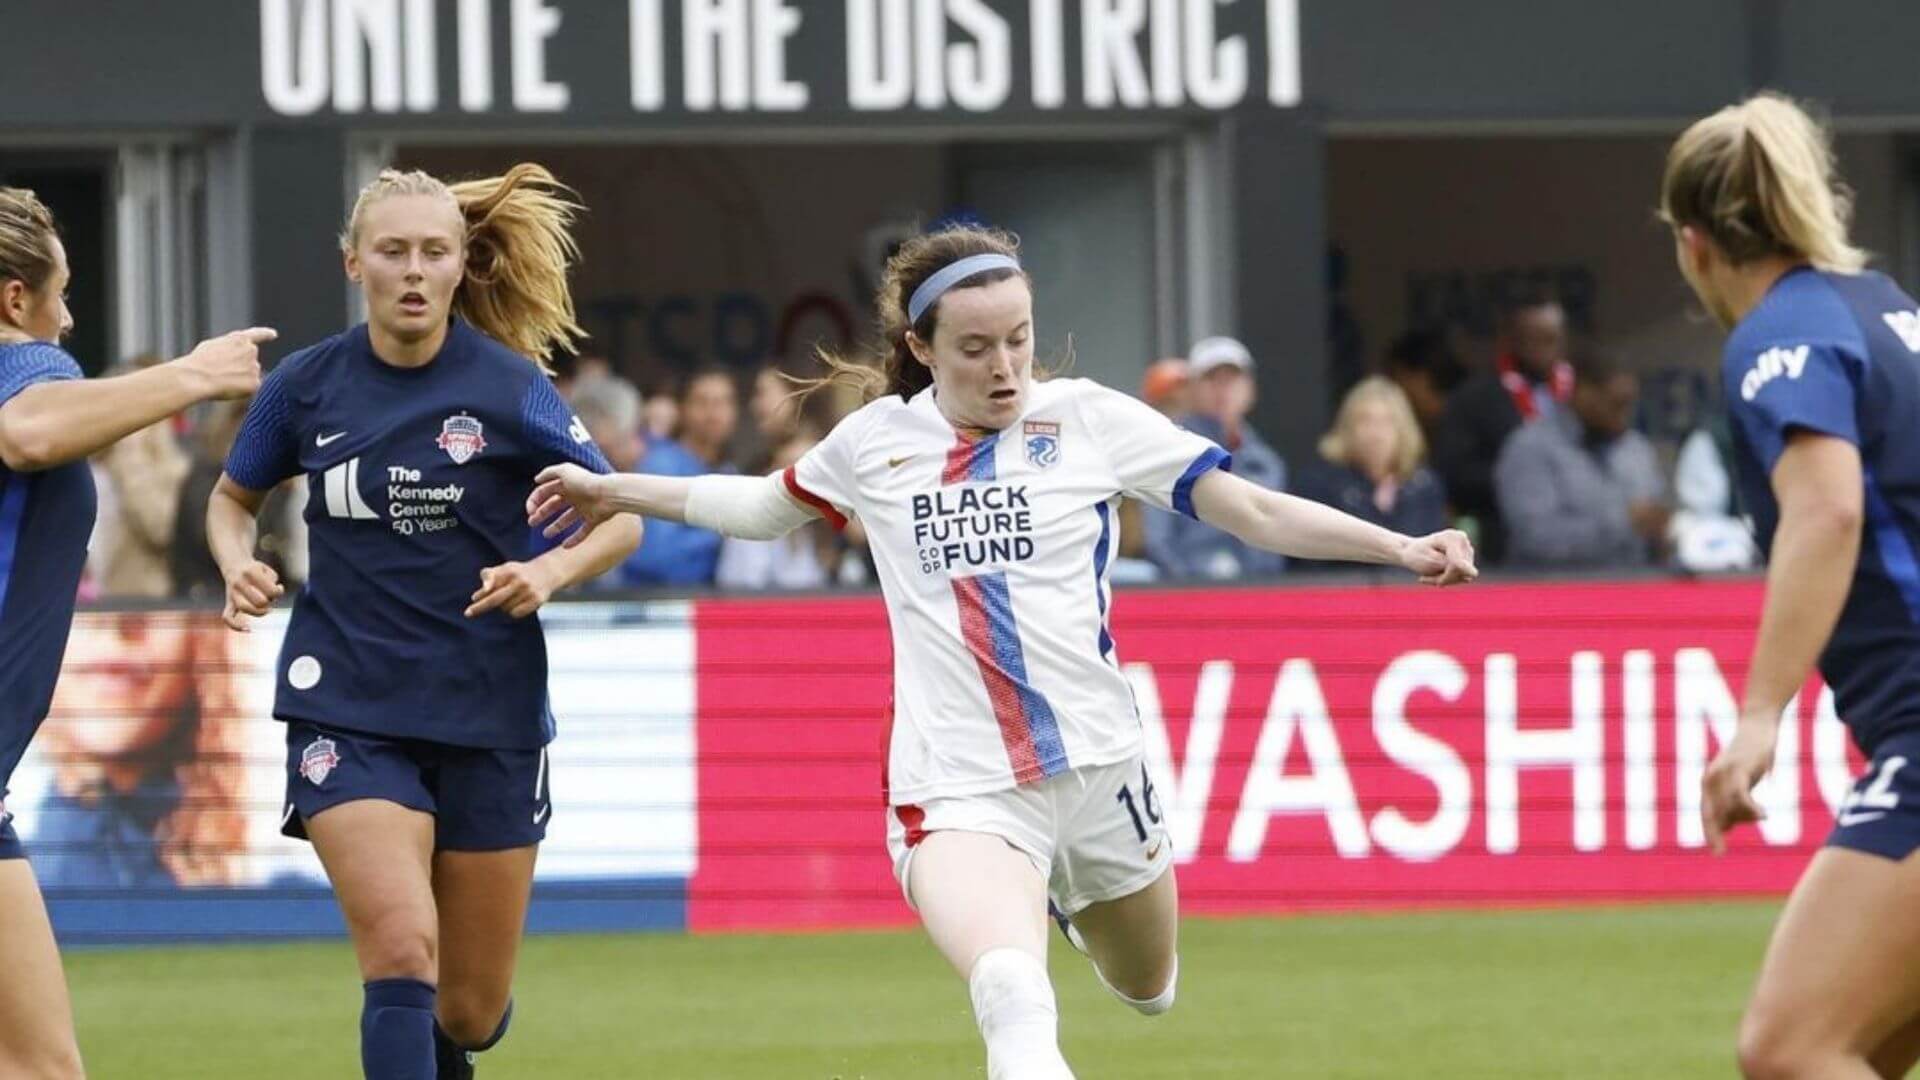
481, 800
1881, 814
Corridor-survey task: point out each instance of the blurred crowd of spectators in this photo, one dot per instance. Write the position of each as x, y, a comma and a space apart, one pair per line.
1533, 451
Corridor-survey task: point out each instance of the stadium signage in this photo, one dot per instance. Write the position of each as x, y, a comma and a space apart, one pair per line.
777, 57
1314, 748
1302, 766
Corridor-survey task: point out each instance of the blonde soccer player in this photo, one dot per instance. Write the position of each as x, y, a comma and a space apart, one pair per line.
1014, 772
413, 678
1822, 382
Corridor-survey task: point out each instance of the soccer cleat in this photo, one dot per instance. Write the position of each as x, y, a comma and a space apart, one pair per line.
451, 1062
1066, 929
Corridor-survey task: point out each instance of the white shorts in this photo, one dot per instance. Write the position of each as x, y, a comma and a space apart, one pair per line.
1096, 833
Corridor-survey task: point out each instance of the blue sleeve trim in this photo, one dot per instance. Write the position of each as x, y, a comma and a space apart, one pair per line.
550, 425
264, 452
1212, 458
1896, 550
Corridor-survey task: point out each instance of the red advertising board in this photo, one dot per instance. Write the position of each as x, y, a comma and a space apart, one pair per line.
1314, 748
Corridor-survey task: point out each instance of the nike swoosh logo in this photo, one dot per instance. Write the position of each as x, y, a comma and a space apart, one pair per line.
323, 440
1153, 851
1861, 819
896, 462
540, 815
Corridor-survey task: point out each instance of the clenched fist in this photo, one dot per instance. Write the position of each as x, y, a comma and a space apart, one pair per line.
228, 366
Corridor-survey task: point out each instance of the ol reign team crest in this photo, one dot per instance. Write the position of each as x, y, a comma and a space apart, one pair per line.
1043, 443
460, 437
317, 761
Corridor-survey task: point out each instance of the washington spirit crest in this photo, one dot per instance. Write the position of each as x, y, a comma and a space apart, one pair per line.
1043, 443
460, 437
318, 760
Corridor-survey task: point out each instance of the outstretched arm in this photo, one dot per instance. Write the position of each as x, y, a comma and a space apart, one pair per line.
52, 423
1304, 529
745, 507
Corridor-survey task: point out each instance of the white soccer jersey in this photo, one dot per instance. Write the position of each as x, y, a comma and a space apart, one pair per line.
993, 553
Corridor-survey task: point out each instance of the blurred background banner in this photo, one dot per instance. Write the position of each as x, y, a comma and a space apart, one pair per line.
1323, 748
152, 800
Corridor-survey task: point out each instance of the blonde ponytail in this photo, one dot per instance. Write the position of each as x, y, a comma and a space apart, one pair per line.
1759, 179
519, 249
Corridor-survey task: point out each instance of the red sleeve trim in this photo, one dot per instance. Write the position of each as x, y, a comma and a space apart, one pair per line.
837, 519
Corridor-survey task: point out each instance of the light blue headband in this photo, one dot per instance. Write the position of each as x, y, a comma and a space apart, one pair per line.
931, 290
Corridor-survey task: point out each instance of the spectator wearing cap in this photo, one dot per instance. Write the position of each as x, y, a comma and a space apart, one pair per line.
1530, 379
1580, 489
1221, 377
1165, 387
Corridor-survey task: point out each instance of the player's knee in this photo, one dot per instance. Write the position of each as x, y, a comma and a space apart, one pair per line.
1150, 993
401, 948
1771, 1049
1158, 1005
472, 1018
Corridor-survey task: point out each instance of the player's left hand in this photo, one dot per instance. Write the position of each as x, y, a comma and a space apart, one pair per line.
1442, 558
521, 588
1726, 789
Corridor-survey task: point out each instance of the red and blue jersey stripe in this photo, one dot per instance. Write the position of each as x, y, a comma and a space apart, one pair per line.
1102, 554
1028, 727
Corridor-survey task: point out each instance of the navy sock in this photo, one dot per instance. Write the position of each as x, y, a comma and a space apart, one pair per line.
396, 1030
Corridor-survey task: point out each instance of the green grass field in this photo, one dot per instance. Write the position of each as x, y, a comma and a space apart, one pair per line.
1646, 992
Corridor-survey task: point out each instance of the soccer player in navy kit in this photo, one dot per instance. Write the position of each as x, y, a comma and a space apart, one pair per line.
1822, 379
50, 420
412, 683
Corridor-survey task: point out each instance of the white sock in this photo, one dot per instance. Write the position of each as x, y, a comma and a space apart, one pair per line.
1153, 1006
1013, 1003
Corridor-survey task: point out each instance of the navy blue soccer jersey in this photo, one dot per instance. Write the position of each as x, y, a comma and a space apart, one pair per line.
45, 519
417, 479
1839, 354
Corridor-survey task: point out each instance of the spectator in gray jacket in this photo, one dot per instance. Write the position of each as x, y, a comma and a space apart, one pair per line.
1220, 376
1579, 488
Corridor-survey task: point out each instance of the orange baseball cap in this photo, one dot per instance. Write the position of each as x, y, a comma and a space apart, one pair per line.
1163, 379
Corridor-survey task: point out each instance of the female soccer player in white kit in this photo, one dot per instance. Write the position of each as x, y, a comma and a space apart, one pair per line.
1014, 773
